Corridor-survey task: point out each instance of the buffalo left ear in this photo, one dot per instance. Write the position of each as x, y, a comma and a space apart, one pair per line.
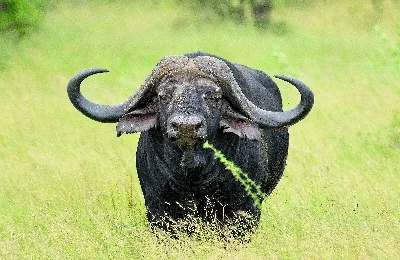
234, 122
139, 120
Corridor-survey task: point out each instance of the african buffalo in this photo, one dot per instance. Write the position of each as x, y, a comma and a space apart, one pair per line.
186, 101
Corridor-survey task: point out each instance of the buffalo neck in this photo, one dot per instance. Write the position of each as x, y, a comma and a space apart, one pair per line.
192, 169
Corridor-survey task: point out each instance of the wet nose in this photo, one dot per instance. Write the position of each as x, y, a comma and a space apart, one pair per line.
192, 126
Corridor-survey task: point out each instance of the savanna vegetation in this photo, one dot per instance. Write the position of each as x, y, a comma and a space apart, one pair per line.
68, 186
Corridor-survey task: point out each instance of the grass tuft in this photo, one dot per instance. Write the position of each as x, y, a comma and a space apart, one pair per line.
252, 189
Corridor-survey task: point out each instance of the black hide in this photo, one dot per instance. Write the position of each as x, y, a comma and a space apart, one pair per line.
186, 101
173, 190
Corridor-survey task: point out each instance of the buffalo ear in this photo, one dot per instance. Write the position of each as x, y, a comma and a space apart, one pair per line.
234, 122
139, 120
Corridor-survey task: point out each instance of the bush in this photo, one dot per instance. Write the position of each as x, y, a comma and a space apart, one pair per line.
255, 11
21, 16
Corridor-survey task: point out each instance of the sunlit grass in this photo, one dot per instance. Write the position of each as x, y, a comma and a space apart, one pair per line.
68, 186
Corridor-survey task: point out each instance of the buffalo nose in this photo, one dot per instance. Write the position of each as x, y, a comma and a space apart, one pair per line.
191, 126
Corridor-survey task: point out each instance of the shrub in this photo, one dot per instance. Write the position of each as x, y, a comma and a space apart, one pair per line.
21, 16
255, 11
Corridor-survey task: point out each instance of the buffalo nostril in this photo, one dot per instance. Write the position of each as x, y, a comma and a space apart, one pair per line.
187, 126
198, 125
175, 125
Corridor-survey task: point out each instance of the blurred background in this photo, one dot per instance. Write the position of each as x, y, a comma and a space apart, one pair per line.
68, 186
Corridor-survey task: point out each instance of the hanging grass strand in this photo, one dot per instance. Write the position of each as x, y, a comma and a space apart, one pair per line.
252, 189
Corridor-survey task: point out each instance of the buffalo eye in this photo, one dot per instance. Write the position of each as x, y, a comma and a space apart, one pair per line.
164, 96
212, 95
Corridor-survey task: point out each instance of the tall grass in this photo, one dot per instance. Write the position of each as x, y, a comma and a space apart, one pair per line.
68, 187
251, 188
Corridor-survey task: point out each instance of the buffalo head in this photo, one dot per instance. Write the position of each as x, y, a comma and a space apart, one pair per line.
189, 99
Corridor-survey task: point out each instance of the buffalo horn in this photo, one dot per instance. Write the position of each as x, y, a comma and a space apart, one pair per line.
266, 119
102, 113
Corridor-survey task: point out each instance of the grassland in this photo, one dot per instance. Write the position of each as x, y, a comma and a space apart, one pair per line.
68, 186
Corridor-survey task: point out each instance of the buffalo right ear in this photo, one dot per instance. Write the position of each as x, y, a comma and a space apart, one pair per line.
139, 120
234, 122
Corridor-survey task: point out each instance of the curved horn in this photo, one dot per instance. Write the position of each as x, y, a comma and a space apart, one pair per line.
104, 113
266, 119
296, 114
112, 113
274, 119
101, 113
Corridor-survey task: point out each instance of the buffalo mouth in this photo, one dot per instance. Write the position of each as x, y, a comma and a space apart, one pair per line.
186, 130
187, 142
187, 139
193, 156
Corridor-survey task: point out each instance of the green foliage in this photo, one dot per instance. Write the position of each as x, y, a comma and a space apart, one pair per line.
21, 16
252, 189
17, 19
253, 11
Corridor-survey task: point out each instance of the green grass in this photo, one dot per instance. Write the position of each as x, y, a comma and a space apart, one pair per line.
68, 186
252, 189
